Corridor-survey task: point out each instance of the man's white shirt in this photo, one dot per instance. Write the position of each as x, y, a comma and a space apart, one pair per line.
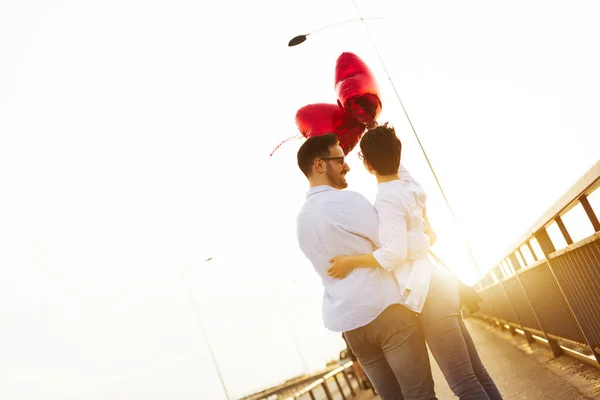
336, 222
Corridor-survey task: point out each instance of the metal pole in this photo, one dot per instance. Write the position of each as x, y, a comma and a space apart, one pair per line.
205, 335
212, 356
340, 23
289, 328
468, 247
295, 340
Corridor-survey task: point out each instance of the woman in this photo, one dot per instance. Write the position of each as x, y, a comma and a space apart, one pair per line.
424, 288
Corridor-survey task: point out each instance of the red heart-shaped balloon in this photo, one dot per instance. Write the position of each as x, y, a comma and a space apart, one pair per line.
356, 88
321, 118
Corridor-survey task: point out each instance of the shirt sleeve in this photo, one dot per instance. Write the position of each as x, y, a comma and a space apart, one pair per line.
393, 232
405, 175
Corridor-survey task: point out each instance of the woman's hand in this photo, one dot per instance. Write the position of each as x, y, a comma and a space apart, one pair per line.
340, 267
428, 229
432, 235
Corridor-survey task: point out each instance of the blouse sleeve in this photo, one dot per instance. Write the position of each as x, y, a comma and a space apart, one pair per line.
393, 232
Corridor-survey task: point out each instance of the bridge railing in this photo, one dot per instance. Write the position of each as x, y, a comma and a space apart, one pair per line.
323, 385
548, 286
339, 383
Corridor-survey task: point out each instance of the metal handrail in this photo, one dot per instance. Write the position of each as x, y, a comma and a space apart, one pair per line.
323, 383
578, 193
565, 279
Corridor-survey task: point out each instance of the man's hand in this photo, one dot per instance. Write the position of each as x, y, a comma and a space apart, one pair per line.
340, 267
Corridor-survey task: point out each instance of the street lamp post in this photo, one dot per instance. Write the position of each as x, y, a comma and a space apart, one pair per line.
196, 309
302, 38
290, 329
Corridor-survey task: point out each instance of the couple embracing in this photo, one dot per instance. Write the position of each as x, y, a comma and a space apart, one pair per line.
381, 290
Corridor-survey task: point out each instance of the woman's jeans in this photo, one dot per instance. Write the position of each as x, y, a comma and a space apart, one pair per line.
451, 344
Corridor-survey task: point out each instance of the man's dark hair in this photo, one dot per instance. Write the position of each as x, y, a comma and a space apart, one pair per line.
315, 147
381, 148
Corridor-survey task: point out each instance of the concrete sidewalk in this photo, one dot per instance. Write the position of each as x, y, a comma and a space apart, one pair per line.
523, 372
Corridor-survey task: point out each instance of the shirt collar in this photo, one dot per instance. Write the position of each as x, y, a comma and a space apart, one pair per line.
319, 189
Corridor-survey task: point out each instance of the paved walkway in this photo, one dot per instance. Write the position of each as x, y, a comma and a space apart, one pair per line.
523, 372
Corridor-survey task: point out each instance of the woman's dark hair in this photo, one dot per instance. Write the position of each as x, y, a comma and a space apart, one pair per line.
381, 148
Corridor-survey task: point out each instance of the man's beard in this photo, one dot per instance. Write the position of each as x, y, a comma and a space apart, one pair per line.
337, 179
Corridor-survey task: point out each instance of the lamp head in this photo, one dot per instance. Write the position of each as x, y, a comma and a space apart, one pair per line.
297, 40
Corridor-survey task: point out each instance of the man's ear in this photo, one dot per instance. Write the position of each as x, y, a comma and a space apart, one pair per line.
319, 166
369, 167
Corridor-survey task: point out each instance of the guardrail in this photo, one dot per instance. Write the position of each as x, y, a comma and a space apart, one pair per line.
321, 383
332, 384
549, 293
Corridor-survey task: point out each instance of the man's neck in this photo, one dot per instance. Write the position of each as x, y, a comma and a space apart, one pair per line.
387, 178
319, 182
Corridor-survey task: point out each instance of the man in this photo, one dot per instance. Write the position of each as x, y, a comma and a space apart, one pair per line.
365, 306
363, 380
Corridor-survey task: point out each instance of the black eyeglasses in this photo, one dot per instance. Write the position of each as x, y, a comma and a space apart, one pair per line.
360, 155
341, 159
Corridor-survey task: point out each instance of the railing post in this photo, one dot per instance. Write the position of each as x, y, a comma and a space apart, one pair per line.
337, 382
590, 212
312, 395
544, 241
515, 261
563, 230
554, 346
513, 309
326, 389
531, 340
513, 331
548, 248
522, 257
349, 382
535, 259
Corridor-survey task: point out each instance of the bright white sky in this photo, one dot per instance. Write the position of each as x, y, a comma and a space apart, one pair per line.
135, 140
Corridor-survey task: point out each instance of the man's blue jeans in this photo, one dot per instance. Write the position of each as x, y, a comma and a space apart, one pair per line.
392, 351
451, 344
